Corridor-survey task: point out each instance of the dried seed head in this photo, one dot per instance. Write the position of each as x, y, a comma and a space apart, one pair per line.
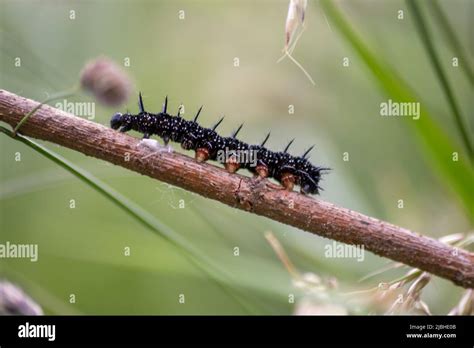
295, 18
409, 276
423, 307
13, 301
410, 302
384, 298
465, 305
312, 279
310, 283
106, 81
332, 283
308, 306
418, 285
452, 238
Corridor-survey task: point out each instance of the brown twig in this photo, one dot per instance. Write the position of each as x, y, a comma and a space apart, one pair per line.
257, 196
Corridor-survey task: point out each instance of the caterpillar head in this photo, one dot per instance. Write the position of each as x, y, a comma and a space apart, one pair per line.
309, 184
116, 121
122, 122
309, 188
309, 179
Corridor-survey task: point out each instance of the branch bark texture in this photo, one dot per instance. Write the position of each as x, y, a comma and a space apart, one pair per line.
256, 196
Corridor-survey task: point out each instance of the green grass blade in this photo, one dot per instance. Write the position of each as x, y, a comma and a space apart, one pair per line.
425, 35
144, 218
457, 175
451, 38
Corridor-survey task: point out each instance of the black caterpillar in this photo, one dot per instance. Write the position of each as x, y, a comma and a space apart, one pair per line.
208, 145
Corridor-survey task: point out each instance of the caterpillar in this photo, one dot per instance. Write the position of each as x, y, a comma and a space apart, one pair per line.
233, 153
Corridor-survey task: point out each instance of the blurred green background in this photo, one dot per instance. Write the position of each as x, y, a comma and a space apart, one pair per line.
81, 250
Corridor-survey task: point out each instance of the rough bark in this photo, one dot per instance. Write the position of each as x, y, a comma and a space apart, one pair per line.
256, 196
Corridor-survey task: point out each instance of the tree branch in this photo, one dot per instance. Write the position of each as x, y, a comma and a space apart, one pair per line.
257, 196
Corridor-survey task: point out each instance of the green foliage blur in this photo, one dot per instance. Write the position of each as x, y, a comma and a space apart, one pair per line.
82, 249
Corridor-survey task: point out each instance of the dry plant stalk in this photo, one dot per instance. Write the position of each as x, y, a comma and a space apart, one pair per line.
257, 196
